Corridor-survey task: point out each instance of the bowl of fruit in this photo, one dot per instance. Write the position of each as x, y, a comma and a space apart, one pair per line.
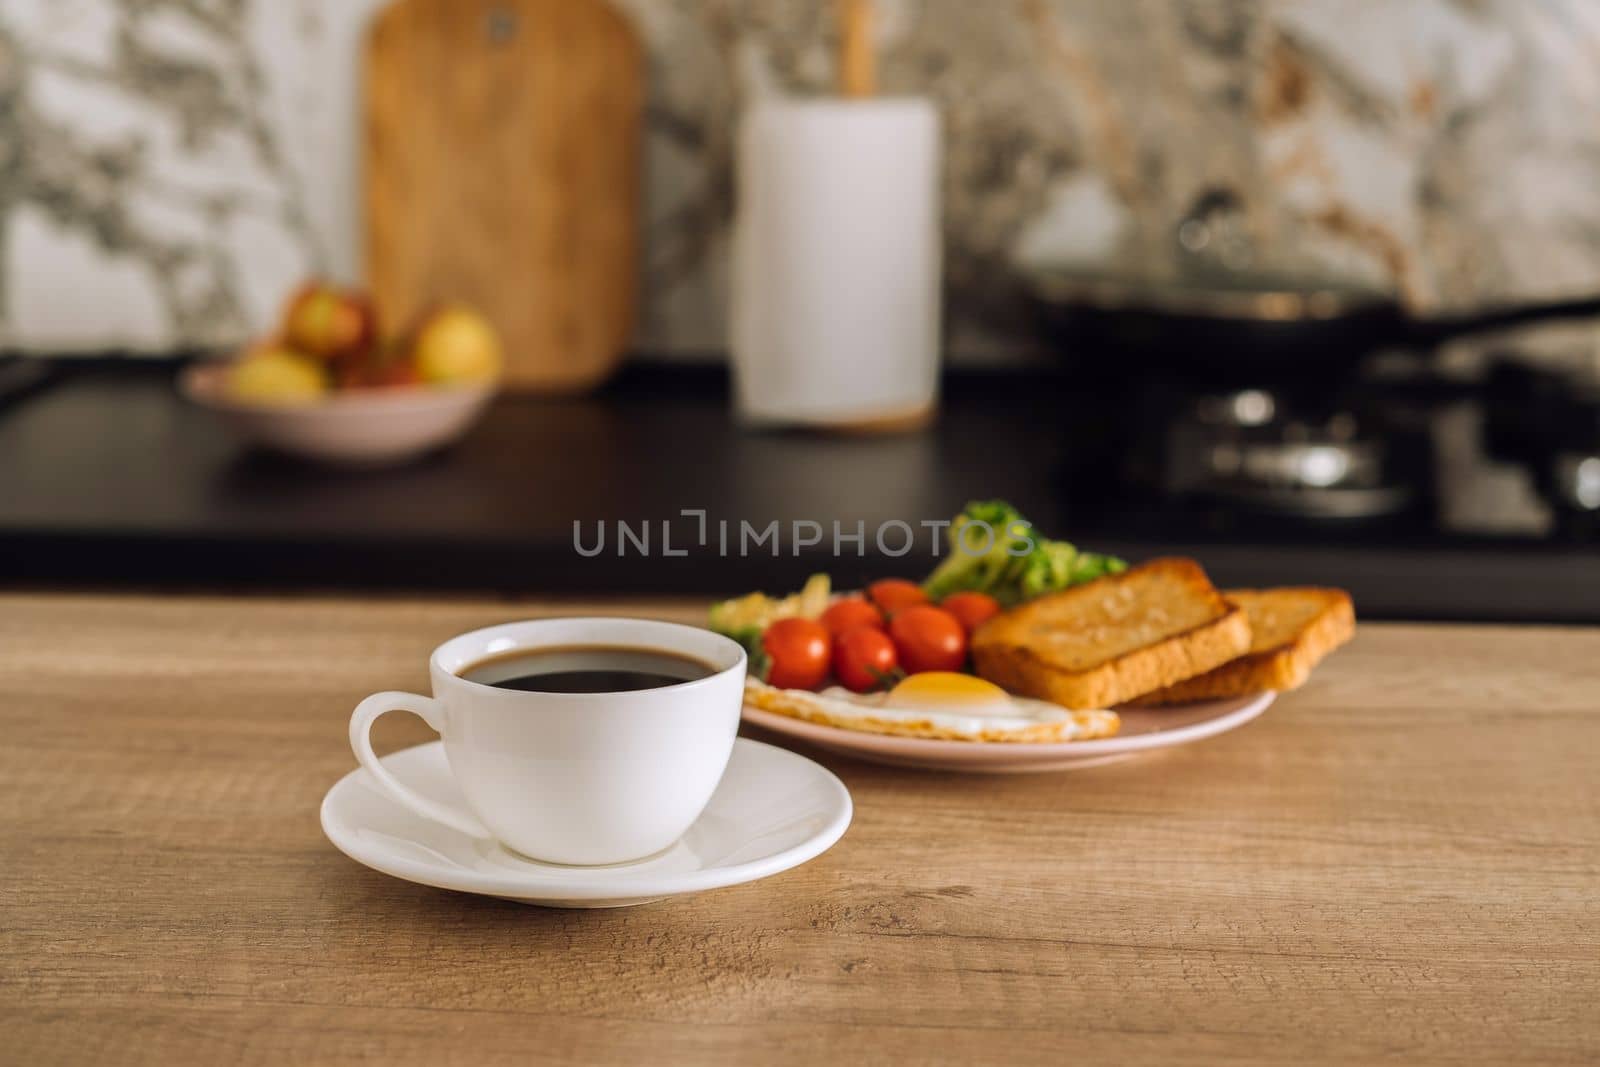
329, 387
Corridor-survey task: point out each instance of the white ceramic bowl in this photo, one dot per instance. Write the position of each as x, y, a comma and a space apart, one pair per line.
358, 427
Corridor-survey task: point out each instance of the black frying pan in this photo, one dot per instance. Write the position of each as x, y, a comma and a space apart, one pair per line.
1254, 330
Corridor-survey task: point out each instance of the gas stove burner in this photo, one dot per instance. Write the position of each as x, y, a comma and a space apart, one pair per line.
1346, 503
1549, 422
1576, 481
1298, 464
1247, 407
1255, 449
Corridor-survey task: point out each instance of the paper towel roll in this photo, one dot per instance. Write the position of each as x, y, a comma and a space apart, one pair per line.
837, 262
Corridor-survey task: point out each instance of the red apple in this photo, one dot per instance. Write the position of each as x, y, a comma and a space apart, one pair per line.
330, 323
378, 370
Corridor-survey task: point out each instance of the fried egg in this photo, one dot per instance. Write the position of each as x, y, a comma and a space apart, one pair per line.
942, 704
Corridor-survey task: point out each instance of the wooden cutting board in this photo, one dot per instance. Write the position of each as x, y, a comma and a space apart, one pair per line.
502, 169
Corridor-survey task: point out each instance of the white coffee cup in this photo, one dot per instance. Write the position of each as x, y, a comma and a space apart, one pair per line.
574, 778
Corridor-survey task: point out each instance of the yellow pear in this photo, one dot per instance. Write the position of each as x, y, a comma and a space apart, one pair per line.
455, 344
276, 375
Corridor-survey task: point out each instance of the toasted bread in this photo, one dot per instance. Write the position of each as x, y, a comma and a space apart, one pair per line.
1112, 639
1292, 630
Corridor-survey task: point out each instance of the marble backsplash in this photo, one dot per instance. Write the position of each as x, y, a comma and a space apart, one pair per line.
169, 167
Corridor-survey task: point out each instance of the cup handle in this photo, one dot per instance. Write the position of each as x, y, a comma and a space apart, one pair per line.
429, 711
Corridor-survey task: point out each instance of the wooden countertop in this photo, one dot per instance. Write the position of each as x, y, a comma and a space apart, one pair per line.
1400, 860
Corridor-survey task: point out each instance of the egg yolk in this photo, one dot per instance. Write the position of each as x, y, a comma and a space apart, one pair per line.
946, 689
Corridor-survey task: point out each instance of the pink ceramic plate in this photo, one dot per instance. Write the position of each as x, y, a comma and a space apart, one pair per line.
1143, 729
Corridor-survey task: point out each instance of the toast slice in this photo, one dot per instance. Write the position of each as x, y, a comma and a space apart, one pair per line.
1292, 630
1107, 641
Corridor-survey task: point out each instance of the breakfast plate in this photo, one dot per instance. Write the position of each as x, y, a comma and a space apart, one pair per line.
1143, 730
1021, 653
772, 811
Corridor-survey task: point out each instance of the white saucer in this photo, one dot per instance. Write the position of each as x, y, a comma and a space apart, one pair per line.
773, 810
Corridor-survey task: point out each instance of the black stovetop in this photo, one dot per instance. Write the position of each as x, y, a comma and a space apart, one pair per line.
107, 478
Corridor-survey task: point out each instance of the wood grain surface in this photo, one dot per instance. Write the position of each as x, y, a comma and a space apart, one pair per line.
503, 168
1400, 861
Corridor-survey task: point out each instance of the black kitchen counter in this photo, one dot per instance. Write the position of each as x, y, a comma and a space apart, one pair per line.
108, 478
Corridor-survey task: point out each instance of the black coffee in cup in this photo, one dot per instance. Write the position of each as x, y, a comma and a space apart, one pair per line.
586, 669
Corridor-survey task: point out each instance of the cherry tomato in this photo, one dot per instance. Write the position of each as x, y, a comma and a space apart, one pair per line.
928, 639
799, 651
864, 659
971, 609
849, 613
893, 594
